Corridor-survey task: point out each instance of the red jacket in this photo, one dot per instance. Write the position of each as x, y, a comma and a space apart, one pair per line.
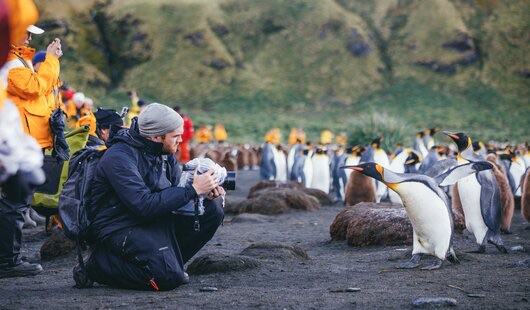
188, 129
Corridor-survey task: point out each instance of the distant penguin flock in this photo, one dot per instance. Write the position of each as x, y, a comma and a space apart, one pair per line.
485, 179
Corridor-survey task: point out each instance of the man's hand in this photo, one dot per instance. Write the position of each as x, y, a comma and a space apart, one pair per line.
54, 48
216, 192
205, 182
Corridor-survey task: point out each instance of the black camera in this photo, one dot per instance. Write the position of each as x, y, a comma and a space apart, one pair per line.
230, 182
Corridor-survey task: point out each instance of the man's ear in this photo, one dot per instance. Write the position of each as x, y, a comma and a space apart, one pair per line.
156, 139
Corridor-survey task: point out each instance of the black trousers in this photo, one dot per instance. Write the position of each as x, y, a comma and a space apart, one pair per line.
152, 256
11, 223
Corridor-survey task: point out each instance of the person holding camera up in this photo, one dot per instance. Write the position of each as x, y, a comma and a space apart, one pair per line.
139, 240
27, 90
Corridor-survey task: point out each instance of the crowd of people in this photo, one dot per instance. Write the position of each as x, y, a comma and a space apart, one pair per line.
138, 239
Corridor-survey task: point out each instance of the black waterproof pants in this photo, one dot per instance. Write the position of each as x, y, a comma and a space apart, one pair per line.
152, 257
11, 223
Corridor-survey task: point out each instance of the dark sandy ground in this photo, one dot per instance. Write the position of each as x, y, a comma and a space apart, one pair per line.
283, 282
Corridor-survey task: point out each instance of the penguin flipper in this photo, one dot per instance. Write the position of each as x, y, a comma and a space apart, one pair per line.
490, 204
454, 174
439, 167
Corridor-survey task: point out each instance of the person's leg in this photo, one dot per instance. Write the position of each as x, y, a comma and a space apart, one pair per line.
132, 258
190, 241
11, 222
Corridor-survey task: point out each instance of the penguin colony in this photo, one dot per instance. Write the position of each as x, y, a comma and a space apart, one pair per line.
466, 184
484, 178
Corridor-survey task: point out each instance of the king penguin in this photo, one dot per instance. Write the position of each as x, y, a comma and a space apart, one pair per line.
375, 153
404, 162
480, 198
321, 173
427, 206
280, 161
267, 164
419, 145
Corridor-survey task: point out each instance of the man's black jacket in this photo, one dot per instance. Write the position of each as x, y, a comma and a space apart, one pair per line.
135, 183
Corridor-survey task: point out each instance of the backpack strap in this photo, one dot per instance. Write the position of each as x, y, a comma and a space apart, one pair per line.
22, 61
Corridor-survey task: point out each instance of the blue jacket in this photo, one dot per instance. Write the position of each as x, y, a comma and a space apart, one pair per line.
135, 183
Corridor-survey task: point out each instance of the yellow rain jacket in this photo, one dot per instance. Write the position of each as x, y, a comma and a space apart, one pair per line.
219, 133
203, 135
27, 89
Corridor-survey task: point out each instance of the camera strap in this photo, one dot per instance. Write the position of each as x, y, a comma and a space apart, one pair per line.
196, 224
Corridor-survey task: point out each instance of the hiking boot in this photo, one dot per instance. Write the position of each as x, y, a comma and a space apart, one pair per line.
20, 270
81, 277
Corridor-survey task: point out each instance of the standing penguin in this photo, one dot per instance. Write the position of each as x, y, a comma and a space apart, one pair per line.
375, 153
405, 162
419, 145
480, 198
427, 207
295, 149
280, 161
267, 166
428, 137
321, 173
339, 179
431, 158
307, 168
353, 158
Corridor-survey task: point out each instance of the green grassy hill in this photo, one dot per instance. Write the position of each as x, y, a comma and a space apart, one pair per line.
363, 67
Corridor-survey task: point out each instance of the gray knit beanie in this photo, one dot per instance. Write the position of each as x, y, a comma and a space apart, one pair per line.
157, 119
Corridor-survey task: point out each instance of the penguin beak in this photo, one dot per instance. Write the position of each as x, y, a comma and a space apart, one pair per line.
451, 135
352, 167
410, 161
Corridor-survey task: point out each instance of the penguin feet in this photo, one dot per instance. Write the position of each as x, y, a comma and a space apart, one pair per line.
436, 265
414, 262
453, 259
481, 250
501, 248
506, 231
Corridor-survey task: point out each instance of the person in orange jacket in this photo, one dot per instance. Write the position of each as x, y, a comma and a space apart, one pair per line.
27, 88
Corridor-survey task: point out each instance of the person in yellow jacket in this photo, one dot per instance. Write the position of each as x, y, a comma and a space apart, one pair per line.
326, 137
78, 109
297, 135
204, 134
219, 133
27, 89
137, 105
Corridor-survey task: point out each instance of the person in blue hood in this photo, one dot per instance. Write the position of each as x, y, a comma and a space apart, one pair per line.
139, 242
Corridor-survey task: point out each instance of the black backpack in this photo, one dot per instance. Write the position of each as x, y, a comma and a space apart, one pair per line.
74, 200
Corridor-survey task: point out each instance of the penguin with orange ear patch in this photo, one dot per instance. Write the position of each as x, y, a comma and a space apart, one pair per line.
480, 198
427, 207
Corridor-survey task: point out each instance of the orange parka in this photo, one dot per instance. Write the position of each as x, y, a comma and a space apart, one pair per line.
28, 89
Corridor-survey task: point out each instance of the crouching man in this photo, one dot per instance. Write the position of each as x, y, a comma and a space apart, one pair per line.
139, 241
